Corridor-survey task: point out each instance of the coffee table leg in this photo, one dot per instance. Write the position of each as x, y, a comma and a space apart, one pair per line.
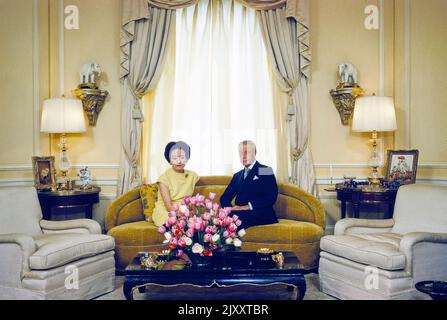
127, 288
301, 289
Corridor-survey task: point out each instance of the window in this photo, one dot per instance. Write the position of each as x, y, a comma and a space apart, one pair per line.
215, 91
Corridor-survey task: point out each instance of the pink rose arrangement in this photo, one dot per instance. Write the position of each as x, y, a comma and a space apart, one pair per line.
199, 225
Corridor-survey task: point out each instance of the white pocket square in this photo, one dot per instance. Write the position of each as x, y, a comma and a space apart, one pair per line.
255, 178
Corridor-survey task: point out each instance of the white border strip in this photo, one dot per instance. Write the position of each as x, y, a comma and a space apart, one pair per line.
36, 87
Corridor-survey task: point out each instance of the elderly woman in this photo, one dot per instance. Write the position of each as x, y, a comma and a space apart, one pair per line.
176, 183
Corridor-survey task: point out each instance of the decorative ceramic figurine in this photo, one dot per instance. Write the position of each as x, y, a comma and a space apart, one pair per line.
85, 176
90, 73
347, 73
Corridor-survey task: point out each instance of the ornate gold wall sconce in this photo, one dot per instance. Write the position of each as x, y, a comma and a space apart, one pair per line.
92, 97
346, 92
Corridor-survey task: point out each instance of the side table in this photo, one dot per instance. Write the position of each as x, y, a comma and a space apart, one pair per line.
365, 194
65, 205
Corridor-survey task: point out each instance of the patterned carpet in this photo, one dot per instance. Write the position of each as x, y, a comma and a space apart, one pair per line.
276, 292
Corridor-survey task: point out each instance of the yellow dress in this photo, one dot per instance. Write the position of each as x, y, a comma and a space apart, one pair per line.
180, 185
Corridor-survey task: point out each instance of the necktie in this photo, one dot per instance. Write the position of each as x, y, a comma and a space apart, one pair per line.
246, 172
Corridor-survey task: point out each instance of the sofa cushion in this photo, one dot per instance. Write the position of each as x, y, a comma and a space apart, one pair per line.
139, 233
55, 250
148, 194
376, 249
285, 231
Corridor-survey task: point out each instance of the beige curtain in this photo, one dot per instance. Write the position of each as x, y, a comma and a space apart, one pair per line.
144, 36
288, 47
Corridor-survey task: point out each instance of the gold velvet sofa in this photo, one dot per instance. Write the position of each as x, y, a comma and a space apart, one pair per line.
301, 224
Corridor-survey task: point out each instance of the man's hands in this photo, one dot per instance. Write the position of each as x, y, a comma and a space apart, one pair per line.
240, 208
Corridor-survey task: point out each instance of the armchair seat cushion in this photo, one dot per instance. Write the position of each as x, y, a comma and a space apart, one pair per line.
139, 233
285, 231
377, 249
59, 249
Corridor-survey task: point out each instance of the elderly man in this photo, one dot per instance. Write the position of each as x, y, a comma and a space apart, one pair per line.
254, 189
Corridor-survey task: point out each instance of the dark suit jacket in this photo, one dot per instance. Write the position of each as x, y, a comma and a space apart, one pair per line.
259, 188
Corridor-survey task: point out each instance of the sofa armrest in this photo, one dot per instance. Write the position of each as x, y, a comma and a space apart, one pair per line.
72, 226
27, 247
308, 208
353, 226
115, 209
411, 239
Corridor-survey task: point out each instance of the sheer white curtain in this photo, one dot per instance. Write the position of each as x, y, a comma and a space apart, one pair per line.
215, 91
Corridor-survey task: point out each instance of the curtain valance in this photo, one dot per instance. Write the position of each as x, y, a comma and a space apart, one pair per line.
138, 9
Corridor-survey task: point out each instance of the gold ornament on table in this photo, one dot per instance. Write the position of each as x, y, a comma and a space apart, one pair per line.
279, 259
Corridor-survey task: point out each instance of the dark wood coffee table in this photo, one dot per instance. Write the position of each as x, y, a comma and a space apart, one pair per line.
231, 268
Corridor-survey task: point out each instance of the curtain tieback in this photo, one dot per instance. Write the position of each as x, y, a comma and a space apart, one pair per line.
137, 114
297, 153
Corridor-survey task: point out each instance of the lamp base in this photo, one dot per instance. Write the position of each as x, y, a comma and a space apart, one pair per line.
374, 180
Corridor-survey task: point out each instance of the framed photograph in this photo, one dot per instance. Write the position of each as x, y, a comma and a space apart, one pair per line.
402, 166
44, 173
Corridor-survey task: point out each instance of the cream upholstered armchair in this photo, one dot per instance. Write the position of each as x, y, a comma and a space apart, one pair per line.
42, 259
402, 251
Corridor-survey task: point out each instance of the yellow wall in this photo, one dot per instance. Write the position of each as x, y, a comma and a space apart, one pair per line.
337, 35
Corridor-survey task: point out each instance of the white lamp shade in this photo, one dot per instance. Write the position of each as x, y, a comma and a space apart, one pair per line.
373, 113
62, 115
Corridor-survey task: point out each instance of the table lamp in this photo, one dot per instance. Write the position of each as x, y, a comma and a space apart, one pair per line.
63, 115
374, 114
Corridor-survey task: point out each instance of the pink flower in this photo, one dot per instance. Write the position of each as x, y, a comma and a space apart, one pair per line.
193, 200
191, 224
182, 242
198, 225
179, 253
187, 200
211, 196
228, 221
209, 204
216, 221
190, 232
200, 198
172, 214
208, 229
232, 227
182, 224
228, 210
233, 235
173, 240
175, 207
238, 223
207, 216
235, 217
207, 237
222, 215
215, 207
162, 229
226, 234
172, 220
